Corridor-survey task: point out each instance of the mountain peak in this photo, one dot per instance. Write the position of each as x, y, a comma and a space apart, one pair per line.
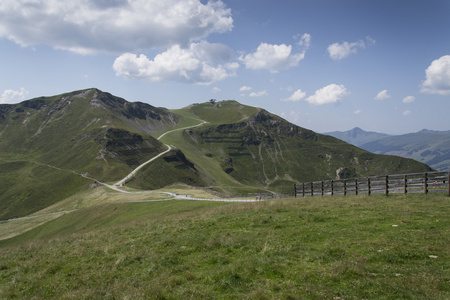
357, 136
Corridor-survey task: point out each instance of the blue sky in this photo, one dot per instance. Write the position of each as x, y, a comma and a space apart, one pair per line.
382, 65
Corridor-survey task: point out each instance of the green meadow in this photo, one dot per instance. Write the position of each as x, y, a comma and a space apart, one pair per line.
354, 247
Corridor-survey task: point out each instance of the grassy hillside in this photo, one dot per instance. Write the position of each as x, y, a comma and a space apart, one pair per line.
47, 142
265, 151
28, 187
209, 167
350, 247
44, 139
223, 112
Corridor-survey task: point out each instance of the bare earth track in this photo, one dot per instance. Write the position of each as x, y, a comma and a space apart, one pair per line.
12, 227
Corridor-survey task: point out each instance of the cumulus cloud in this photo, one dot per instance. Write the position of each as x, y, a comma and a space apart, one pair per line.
11, 96
296, 96
330, 94
201, 63
216, 90
409, 99
259, 94
406, 112
357, 112
272, 57
245, 88
91, 26
383, 95
437, 77
339, 51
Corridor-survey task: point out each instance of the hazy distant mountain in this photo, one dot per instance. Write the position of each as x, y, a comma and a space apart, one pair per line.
357, 136
427, 146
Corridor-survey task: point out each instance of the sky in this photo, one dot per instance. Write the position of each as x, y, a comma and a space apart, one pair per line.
326, 65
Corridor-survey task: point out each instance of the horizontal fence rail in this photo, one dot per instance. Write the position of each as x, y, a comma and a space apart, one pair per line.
430, 182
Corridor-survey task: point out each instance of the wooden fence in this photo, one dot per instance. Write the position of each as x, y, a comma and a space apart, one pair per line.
431, 182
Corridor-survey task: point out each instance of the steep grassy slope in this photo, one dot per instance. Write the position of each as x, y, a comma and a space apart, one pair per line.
350, 247
264, 150
209, 167
28, 187
43, 140
173, 167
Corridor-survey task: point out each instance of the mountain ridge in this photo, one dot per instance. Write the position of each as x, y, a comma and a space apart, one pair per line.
357, 136
428, 146
240, 149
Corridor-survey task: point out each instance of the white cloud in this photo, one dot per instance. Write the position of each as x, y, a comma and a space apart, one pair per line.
216, 90
245, 89
259, 94
330, 94
383, 95
339, 51
357, 112
305, 40
90, 26
201, 63
437, 77
406, 112
11, 96
296, 96
409, 99
272, 57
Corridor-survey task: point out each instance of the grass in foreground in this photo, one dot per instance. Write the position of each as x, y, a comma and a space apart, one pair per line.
376, 247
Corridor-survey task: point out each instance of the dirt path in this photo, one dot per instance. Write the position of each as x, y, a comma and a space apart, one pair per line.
129, 176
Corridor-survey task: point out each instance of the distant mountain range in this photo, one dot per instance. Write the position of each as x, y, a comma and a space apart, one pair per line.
427, 146
47, 142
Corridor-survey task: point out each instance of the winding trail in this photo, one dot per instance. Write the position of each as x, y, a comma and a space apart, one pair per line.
129, 176
116, 187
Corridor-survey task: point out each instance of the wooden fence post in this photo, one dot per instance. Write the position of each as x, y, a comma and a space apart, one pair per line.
322, 187
356, 186
387, 185
448, 183
345, 187
295, 191
303, 189
405, 183
368, 186
312, 189
425, 183
332, 191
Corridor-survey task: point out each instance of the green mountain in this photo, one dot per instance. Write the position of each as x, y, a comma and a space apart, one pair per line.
261, 149
47, 142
